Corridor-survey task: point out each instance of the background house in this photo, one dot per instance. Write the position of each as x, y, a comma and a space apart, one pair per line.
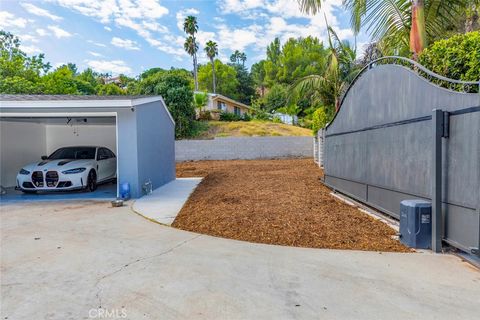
217, 102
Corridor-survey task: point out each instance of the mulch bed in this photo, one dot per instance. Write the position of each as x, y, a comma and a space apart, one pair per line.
278, 202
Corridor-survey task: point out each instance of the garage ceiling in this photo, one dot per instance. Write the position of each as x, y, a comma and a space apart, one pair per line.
64, 120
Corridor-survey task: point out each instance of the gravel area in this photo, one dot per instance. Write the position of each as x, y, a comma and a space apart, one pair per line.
279, 202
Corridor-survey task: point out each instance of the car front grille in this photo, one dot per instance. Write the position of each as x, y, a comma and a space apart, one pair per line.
51, 178
37, 179
28, 185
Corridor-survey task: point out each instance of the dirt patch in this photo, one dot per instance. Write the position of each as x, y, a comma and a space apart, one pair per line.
276, 202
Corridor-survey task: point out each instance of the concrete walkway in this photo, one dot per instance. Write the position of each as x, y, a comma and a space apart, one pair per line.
76, 260
165, 203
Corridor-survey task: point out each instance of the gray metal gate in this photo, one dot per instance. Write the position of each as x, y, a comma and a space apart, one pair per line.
381, 146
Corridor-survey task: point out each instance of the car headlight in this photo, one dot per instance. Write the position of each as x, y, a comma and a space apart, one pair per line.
24, 172
76, 170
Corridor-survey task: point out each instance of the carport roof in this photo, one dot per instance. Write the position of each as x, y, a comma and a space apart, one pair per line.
45, 100
36, 97
62, 97
13, 102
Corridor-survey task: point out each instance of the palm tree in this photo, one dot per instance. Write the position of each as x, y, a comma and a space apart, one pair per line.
190, 26
200, 100
234, 57
418, 33
399, 23
191, 47
472, 15
242, 57
327, 87
212, 51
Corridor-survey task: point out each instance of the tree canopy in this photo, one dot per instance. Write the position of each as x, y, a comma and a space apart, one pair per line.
226, 79
175, 87
20, 73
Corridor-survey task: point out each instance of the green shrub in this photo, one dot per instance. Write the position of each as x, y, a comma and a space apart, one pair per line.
457, 57
198, 128
246, 117
276, 119
321, 117
229, 116
205, 115
262, 115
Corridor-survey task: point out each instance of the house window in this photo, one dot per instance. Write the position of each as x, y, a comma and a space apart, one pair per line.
236, 110
221, 106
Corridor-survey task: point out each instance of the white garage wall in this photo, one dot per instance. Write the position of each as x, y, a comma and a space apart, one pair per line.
21, 143
80, 135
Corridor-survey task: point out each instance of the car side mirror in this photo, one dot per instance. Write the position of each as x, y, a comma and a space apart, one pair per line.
102, 157
44, 157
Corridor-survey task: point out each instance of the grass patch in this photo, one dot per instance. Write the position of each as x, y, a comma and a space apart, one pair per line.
254, 128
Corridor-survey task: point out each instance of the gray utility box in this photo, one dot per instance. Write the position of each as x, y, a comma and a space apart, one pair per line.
416, 223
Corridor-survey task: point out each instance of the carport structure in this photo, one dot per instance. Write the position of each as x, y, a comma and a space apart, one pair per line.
138, 129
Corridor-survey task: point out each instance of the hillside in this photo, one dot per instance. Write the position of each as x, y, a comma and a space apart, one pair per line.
254, 128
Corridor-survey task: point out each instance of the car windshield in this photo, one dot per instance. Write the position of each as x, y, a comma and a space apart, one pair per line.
73, 153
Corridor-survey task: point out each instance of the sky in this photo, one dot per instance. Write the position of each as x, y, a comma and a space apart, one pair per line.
130, 36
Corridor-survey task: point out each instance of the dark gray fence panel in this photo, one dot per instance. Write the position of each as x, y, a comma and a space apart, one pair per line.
462, 160
390, 93
375, 152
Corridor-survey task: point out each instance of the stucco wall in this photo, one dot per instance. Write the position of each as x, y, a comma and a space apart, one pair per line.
155, 144
244, 148
21, 143
81, 135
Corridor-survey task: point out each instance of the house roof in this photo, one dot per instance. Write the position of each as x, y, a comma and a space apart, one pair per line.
216, 96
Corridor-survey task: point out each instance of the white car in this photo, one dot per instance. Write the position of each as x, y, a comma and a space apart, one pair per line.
69, 168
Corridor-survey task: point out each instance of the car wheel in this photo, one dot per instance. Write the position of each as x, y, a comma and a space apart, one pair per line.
92, 181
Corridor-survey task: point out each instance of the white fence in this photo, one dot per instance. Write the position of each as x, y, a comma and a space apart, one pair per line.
318, 147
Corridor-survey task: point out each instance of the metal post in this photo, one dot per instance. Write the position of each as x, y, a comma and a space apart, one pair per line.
437, 125
478, 248
324, 140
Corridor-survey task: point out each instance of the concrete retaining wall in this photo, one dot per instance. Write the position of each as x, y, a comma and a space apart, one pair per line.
231, 148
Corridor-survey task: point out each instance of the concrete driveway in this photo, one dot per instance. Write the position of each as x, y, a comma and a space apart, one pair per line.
85, 260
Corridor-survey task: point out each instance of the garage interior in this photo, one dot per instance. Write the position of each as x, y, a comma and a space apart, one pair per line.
25, 140
138, 129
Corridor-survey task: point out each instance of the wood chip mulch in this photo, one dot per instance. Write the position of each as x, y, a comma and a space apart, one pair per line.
278, 202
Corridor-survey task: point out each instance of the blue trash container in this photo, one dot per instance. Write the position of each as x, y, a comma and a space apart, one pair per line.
125, 191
